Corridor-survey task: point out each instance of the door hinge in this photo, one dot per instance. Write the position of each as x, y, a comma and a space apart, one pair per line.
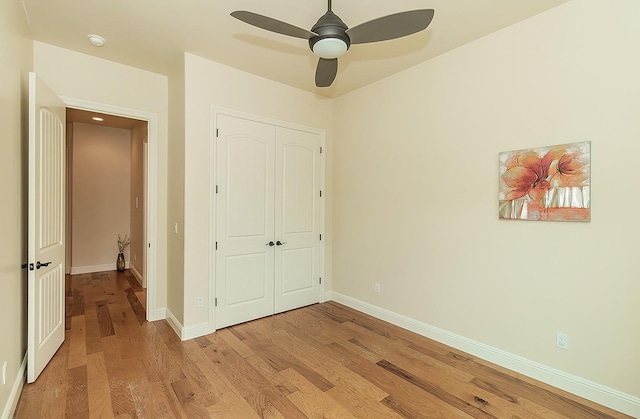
216, 245
216, 132
149, 245
320, 281
320, 150
321, 237
320, 194
216, 188
215, 301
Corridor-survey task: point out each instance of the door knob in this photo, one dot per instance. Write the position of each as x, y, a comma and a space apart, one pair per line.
41, 265
279, 243
270, 244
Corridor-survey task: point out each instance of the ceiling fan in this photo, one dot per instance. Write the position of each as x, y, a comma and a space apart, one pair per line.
330, 37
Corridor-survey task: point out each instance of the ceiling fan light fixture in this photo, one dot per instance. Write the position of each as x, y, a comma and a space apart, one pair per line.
330, 37
329, 48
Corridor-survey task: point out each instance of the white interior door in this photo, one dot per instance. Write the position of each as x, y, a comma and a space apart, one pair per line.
297, 225
46, 226
244, 220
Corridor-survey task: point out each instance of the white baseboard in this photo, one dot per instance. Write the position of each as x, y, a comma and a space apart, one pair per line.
188, 332
77, 270
174, 323
135, 274
195, 331
16, 390
590, 390
327, 296
158, 314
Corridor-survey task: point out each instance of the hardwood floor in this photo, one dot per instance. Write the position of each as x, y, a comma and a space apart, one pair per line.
321, 361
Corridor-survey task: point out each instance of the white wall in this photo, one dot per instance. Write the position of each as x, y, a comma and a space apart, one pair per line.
100, 197
83, 77
415, 208
208, 83
16, 53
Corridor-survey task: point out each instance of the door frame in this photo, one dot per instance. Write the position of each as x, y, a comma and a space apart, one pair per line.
214, 112
151, 184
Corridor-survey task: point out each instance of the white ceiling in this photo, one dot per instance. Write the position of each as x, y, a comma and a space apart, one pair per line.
152, 34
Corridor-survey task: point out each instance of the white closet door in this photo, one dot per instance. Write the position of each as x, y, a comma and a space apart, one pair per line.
244, 220
297, 223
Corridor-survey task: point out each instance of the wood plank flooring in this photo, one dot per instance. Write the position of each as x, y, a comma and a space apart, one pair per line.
321, 361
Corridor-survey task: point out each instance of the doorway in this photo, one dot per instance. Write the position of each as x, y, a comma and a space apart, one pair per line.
149, 195
105, 191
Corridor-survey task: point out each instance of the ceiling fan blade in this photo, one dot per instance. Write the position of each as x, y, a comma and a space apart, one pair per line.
326, 72
272, 25
391, 26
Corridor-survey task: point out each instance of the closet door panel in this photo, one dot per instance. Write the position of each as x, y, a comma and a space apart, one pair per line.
297, 222
244, 220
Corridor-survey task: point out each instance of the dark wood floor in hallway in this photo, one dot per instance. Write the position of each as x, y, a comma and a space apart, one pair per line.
321, 361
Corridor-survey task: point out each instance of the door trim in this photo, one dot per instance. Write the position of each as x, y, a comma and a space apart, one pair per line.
153, 312
219, 110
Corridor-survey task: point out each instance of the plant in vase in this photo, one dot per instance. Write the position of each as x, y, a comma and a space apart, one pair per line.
122, 245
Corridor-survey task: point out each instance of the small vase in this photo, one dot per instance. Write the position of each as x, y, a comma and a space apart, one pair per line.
120, 262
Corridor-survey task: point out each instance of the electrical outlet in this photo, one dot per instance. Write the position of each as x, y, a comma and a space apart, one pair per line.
376, 288
200, 302
562, 340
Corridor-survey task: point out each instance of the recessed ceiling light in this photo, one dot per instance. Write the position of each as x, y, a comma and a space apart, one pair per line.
97, 118
96, 40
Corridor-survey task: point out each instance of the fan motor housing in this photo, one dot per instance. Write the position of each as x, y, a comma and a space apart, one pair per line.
330, 26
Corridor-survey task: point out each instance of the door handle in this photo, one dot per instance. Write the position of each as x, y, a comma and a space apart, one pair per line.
279, 243
270, 244
41, 265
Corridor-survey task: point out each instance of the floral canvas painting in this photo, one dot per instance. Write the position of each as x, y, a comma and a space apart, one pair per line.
547, 183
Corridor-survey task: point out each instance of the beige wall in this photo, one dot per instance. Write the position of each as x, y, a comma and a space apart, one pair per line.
416, 174
208, 83
100, 196
87, 78
16, 53
175, 193
137, 191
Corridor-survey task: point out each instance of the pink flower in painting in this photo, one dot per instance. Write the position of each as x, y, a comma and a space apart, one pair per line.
569, 165
527, 175
569, 171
